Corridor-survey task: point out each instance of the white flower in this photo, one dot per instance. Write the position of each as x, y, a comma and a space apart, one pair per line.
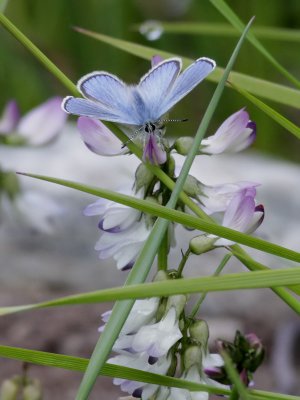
241, 215
235, 134
33, 209
142, 313
123, 246
124, 231
192, 375
158, 338
217, 198
139, 361
38, 127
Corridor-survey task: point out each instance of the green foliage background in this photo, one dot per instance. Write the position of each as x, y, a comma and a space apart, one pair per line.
49, 25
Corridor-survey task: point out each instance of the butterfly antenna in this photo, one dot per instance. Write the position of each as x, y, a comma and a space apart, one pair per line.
131, 137
175, 120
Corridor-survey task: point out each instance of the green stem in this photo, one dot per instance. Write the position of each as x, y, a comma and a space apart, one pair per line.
183, 261
196, 307
162, 255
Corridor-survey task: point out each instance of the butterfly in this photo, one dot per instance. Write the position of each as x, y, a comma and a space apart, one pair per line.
140, 106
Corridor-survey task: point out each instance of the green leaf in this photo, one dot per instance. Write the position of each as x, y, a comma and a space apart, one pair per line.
79, 364
280, 119
226, 30
238, 281
259, 87
180, 217
230, 15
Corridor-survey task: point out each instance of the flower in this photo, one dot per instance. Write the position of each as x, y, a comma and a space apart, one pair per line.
155, 339
38, 127
139, 361
153, 151
217, 198
98, 138
235, 134
10, 118
242, 215
142, 313
33, 209
124, 231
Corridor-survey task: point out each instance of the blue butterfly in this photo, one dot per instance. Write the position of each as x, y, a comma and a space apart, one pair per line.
142, 106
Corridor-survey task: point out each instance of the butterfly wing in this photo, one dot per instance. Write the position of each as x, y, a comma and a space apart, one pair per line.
187, 81
155, 86
106, 97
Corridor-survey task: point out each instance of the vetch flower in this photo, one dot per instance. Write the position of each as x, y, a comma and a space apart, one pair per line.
158, 338
139, 109
124, 231
10, 118
33, 209
139, 361
38, 127
154, 151
217, 198
98, 138
235, 134
242, 215
142, 313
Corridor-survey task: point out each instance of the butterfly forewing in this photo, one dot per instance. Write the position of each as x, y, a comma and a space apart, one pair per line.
189, 79
111, 93
155, 86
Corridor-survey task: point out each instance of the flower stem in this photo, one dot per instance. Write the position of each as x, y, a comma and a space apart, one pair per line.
162, 255
183, 261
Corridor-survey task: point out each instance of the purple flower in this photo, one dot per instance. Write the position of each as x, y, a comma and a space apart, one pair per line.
39, 126
217, 198
153, 152
98, 138
235, 134
242, 215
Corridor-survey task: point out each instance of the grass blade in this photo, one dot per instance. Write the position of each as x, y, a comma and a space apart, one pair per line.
259, 87
230, 15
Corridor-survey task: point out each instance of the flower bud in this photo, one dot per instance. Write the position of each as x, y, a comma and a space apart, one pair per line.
202, 244
9, 389
192, 187
199, 332
192, 356
143, 177
10, 184
183, 145
32, 391
171, 166
177, 301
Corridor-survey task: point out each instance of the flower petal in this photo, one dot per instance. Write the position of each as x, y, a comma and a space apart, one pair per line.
235, 134
98, 138
43, 123
10, 117
153, 152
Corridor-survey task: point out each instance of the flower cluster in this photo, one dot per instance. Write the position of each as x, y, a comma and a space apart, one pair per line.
158, 335
124, 230
38, 127
153, 339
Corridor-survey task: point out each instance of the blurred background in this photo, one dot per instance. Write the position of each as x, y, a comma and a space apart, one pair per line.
35, 266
